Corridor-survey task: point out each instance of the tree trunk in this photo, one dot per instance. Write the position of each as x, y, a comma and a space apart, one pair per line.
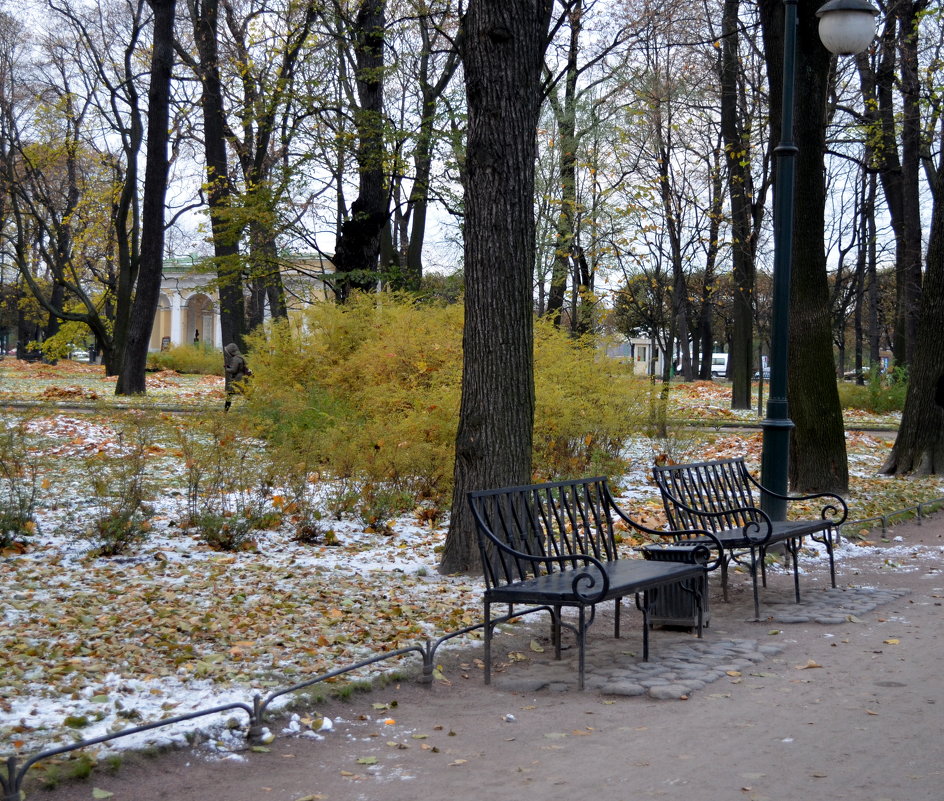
919, 446
219, 194
818, 445
131, 379
503, 49
423, 157
741, 190
908, 12
567, 141
358, 246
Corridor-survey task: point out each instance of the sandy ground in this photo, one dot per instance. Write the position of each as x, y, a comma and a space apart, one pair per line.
850, 711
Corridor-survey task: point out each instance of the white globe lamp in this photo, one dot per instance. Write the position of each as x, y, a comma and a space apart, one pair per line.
847, 27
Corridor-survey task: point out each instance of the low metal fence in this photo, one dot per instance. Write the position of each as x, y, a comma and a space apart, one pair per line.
11, 784
918, 512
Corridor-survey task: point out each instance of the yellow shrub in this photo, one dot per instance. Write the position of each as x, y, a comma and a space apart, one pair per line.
370, 390
373, 385
587, 406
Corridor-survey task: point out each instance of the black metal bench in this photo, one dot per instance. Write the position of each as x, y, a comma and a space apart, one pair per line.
554, 545
722, 496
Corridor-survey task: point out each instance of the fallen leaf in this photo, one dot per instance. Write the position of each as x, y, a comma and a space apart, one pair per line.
99, 793
810, 664
371, 760
892, 641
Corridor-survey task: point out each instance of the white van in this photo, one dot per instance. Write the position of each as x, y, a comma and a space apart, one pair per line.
719, 365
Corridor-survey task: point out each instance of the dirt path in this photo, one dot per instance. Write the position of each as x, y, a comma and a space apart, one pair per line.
847, 711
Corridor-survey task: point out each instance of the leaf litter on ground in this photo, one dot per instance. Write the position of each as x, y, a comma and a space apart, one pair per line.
93, 645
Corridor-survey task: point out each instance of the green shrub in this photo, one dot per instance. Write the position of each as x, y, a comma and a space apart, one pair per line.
222, 533
884, 393
370, 390
586, 406
229, 479
199, 359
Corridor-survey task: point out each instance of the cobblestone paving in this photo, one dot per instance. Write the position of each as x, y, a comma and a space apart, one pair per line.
829, 606
675, 670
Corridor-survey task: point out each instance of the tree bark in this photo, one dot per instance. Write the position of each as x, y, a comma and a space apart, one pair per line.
503, 49
423, 156
741, 191
131, 379
358, 246
565, 114
919, 446
818, 446
205, 15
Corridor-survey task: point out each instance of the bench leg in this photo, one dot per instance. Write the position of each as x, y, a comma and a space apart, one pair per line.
581, 643
793, 548
754, 582
616, 618
488, 643
697, 588
829, 553
700, 588
724, 577
643, 606
828, 542
763, 567
556, 631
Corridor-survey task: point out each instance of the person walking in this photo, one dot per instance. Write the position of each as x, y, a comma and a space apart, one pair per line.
235, 370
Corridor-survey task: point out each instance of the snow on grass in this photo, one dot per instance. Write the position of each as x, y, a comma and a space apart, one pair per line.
90, 645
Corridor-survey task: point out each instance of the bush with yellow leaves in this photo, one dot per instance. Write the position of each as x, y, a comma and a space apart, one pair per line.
370, 391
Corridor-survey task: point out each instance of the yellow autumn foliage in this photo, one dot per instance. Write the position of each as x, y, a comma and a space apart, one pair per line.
370, 390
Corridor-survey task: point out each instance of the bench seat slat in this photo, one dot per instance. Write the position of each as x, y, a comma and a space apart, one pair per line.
627, 577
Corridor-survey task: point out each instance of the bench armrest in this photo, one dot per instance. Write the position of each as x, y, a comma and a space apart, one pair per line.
837, 508
752, 529
713, 543
586, 579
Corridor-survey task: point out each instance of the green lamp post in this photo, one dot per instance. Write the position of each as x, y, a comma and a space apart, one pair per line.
845, 27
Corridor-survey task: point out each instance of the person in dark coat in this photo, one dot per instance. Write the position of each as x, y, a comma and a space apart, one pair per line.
235, 370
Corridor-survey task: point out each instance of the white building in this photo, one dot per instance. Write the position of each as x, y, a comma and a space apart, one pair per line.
645, 356
188, 309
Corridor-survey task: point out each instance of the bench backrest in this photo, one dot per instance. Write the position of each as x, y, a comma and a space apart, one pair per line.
707, 487
540, 520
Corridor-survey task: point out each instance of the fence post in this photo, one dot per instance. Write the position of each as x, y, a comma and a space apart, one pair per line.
254, 733
11, 785
429, 654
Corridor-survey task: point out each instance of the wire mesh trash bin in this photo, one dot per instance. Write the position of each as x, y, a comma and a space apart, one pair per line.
671, 605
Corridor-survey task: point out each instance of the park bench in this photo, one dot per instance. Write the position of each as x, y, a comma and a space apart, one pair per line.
555, 545
722, 496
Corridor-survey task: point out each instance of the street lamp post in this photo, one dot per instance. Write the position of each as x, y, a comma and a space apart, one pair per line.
845, 27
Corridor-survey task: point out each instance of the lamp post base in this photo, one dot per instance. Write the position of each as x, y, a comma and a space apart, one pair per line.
775, 463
